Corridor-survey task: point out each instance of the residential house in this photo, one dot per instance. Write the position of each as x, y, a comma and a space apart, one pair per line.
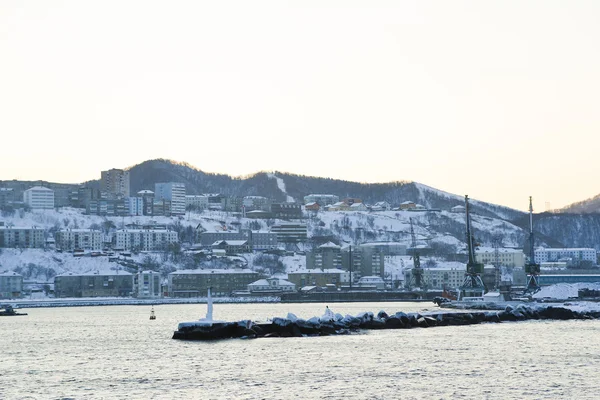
232, 247
407, 205
271, 286
313, 206
381, 206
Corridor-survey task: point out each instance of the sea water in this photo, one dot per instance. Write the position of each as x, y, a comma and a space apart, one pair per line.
117, 352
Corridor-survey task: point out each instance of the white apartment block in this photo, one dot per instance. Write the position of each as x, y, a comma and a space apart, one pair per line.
15, 237
144, 239
576, 254
321, 199
199, 202
39, 198
11, 285
135, 206
173, 192
290, 232
115, 182
146, 284
251, 203
82, 239
438, 278
506, 257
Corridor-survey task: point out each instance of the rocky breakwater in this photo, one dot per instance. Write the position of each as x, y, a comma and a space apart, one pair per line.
337, 324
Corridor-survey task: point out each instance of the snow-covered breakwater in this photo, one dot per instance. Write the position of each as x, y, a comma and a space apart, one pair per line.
337, 324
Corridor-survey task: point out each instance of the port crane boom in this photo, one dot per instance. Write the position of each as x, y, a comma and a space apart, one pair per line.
472, 285
531, 268
416, 277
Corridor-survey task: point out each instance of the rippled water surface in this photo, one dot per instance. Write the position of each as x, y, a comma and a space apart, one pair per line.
117, 352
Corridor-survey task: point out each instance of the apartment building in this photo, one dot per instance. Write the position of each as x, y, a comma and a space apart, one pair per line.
115, 183
506, 257
326, 256
83, 239
135, 206
173, 192
252, 203
290, 232
440, 278
286, 210
318, 277
575, 254
197, 202
195, 282
366, 261
11, 285
321, 199
94, 284
144, 239
16, 237
146, 285
39, 198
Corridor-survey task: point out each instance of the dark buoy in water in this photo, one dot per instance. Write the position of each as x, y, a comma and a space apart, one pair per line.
152, 316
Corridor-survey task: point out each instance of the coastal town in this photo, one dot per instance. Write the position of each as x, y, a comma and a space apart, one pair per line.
103, 240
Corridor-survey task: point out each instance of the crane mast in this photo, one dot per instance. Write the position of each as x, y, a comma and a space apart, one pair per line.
531, 268
416, 276
472, 285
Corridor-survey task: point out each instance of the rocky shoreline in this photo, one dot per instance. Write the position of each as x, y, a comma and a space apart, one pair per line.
336, 324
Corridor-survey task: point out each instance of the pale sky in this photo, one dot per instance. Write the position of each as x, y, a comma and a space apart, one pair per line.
498, 100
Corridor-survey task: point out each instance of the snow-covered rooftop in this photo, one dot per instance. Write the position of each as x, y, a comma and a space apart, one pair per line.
329, 245
212, 271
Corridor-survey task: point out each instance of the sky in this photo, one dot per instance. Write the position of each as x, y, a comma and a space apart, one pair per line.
495, 99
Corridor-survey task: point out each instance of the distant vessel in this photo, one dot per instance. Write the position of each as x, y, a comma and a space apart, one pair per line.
152, 315
8, 311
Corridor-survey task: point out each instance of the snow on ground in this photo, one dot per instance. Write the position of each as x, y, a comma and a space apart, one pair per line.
293, 263
281, 186
34, 263
564, 291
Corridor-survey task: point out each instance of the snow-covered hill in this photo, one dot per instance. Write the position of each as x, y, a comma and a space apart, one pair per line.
441, 231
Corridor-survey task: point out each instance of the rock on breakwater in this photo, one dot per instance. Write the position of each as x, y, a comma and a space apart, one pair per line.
337, 324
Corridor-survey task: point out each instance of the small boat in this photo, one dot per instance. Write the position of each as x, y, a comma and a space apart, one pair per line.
152, 315
9, 311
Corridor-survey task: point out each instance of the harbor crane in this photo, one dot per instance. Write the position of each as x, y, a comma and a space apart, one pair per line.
472, 285
531, 268
417, 279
